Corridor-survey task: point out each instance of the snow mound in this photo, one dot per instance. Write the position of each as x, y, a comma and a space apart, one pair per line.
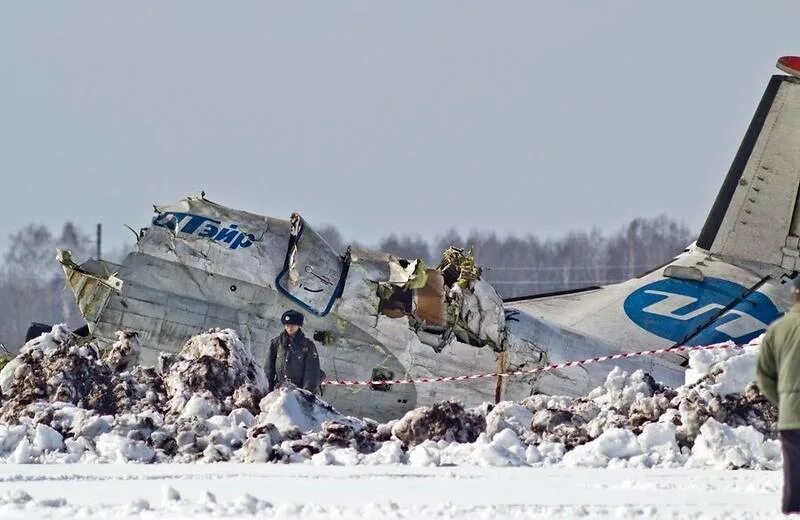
216, 364
290, 408
65, 401
56, 367
443, 421
508, 415
720, 446
728, 370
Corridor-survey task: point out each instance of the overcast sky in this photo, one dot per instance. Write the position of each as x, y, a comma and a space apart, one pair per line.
379, 117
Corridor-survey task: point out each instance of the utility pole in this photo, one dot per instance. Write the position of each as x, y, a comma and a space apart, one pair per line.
99, 240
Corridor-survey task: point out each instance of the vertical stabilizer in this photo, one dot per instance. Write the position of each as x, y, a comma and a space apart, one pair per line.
754, 219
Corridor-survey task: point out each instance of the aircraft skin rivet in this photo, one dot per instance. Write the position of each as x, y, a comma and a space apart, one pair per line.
233, 288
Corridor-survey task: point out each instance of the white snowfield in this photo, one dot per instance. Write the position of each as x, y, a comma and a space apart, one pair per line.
393, 492
196, 437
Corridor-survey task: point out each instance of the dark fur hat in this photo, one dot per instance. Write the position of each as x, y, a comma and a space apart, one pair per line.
292, 318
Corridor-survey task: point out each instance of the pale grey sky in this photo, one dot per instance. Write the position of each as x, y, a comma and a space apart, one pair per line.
379, 117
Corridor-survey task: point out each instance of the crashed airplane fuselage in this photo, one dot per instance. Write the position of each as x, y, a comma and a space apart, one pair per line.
375, 316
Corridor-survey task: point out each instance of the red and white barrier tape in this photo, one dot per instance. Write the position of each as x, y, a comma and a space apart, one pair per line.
548, 368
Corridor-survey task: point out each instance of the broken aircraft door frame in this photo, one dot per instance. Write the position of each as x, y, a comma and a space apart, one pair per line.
313, 276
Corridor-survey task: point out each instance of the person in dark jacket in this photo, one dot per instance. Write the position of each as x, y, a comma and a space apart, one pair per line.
778, 376
293, 357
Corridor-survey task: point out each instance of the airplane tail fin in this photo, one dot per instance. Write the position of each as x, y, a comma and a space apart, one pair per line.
755, 220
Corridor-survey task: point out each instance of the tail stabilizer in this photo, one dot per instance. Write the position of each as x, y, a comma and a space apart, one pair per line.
754, 220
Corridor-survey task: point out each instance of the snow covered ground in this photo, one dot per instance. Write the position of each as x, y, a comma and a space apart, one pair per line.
311, 492
86, 433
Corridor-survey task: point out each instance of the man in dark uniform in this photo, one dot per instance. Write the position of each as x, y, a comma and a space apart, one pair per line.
293, 357
778, 374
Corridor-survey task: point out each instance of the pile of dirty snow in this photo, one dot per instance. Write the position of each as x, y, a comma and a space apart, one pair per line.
63, 401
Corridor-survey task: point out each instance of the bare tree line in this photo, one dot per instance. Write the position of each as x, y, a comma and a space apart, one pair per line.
519, 266
32, 284
32, 287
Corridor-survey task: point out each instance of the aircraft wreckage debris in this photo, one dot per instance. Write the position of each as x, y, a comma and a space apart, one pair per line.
200, 265
66, 401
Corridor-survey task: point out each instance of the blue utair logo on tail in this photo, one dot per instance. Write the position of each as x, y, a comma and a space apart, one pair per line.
672, 308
